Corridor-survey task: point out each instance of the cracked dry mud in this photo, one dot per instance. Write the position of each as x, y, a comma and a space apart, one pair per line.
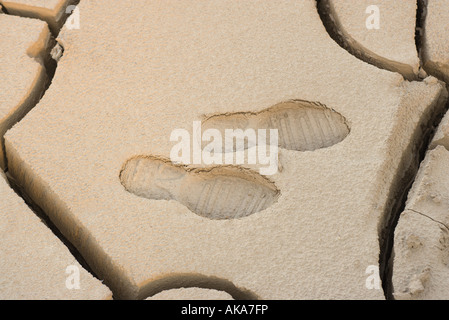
86, 143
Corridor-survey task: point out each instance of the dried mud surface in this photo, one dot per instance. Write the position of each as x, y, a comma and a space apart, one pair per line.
363, 149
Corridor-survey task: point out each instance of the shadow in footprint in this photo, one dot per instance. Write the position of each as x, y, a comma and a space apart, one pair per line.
230, 192
219, 193
302, 125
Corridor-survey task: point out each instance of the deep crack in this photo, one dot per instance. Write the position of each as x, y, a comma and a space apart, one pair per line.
344, 40
404, 186
400, 189
419, 145
46, 220
421, 15
48, 61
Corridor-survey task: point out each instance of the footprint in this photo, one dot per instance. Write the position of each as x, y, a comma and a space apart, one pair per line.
302, 125
218, 193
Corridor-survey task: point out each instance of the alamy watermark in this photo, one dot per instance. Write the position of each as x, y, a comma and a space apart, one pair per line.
72, 282
237, 147
373, 20
373, 281
73, 21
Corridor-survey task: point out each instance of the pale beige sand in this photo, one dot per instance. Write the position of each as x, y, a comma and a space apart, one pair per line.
54, 12
118, 95
22, 73
392, 45
191, 294
33, 261
421, 269
436, 39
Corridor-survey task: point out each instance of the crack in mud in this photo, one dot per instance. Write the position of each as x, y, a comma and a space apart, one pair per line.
55, 18
406, 176
387, 241
41, 52
46, 58
3, 9
398, 196
47, 222
344, 40
421, 15
425, 215
195, 281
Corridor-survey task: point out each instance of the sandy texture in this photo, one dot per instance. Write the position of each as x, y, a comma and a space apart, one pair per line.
422, 236
191, 294
54, 12
436, 39
392, 45
22, 72
33, 261
119, 94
